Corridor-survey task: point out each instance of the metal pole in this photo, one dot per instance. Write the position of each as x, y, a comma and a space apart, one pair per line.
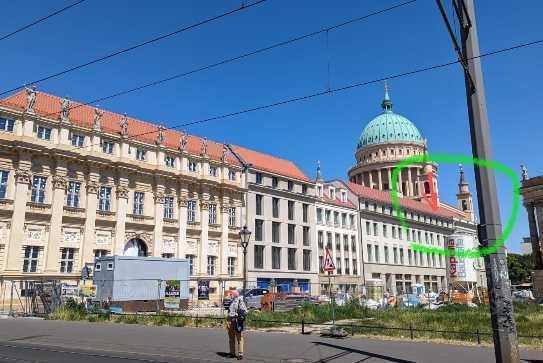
499, 289
244, 271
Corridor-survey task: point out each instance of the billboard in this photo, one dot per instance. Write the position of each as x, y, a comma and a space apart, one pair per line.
203, 289
172, 294
461, 268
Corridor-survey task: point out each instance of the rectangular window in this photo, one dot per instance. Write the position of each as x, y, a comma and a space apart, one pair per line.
191, 259
276, 231
193, 167
107, 147
275, 207
78, 140
211, 265
370, 253
138, 202
292, 259
338, 242
275, 182
38, 189
409, 257
346, 266
191, 211
304, 188
394, 232
305, 212
345, 243
321, 261
395, 252
329, 240
355, 267
291, 233
168, 255
368, 228
232, 175
6, 124
212, 170
401, 256
104, 202
276, 258
258, 178
169, 161
213, 214
290, 186
376, 250
351, 221
338, 265
344, 220
259, 256
140, 154
386, 254
305, 236
319, 215
168, 207
353, 243
400, 233
30, 261
258, 200
72, 198
307, 260
44, 133
290, 210
231, 266
232, 216
320, 239
336, 219
3, 183
384, 230
375, 231
67, 260
327, 216
258, 229
100, 253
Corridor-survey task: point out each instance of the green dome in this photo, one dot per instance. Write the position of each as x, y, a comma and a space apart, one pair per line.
389, 127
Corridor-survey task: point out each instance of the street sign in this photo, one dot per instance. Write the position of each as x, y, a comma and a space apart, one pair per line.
328, 264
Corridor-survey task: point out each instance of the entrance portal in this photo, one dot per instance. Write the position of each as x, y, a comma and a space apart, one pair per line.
135, 247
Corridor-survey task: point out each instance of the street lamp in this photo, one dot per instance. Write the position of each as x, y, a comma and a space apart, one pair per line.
244, 236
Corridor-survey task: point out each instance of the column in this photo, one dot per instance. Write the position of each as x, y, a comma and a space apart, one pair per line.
537, 241
380, 179
90, 218
182, 232
389, 179
223, 248
122, 208
204, 228
410, 183
17, 233
371, 178
55, 229
400, 180
159, 221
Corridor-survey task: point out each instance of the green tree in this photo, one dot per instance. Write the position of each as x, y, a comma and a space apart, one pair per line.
520, 268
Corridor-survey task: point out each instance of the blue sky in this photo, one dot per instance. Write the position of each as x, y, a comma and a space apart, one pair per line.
325, 128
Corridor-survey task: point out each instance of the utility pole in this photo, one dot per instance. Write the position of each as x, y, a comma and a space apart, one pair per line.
499, 288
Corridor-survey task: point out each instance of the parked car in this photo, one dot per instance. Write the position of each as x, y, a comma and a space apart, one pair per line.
253, 298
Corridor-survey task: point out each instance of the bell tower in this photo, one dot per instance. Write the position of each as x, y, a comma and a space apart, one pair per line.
464, 197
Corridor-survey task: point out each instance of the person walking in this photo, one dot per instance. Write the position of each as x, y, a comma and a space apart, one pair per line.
237, 311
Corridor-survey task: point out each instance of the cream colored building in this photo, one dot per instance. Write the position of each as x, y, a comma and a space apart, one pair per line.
78, 182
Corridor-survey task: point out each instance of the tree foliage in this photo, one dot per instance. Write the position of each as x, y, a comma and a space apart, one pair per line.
520, 268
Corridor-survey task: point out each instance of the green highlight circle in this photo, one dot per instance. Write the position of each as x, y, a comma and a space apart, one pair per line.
474, 252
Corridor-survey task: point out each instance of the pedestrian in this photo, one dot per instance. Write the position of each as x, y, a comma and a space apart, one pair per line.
237, 311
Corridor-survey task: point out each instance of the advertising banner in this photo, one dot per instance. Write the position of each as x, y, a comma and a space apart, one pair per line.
172, 294
203, 289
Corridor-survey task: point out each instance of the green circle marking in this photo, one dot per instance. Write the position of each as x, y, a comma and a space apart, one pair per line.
471, 253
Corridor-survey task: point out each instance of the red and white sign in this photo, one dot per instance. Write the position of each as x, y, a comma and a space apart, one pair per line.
328, 263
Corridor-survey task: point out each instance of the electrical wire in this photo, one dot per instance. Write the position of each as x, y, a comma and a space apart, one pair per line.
139, 45
40, 20
335, 90
242, 56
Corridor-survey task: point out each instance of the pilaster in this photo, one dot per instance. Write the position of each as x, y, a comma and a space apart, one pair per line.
204, 229
55, 233
17, 235
159, 220
223, 248
122, 208
182, 233
92, 189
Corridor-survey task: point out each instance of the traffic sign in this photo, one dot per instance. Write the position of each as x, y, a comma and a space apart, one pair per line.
328, 264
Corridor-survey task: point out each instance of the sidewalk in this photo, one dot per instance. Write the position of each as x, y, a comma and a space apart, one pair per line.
167, 344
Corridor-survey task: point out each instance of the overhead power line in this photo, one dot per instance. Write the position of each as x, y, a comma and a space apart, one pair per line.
239, 57
139, 45
40, 20
334, 90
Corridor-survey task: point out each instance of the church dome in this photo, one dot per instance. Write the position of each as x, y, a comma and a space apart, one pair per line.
389, 127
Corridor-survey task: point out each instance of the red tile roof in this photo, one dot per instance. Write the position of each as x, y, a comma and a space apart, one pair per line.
338, 201
270, 163
83, 115
386, 197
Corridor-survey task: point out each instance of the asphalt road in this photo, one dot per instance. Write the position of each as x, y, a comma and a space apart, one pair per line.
32, 340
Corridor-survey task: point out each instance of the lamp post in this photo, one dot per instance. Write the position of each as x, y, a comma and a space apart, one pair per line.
244, 236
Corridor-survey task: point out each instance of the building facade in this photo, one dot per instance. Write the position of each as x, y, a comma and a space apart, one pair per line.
78, 182
280, 214
337, 232
532, 193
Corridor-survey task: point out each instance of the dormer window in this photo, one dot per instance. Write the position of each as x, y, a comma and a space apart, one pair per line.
304, 188
275, 182
212, 170
290, 185
169, 161
232, 175
140, 154
44, 133
343, 196
193, 167
332, 193
107, 147
319, 191
6, 124
78, 140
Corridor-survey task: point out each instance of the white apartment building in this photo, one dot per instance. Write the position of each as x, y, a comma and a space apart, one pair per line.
281, 217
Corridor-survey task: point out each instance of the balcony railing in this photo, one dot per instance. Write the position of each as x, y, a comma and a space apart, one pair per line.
74, 212
41, 208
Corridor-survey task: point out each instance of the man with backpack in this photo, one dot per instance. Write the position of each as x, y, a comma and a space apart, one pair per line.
237, 311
